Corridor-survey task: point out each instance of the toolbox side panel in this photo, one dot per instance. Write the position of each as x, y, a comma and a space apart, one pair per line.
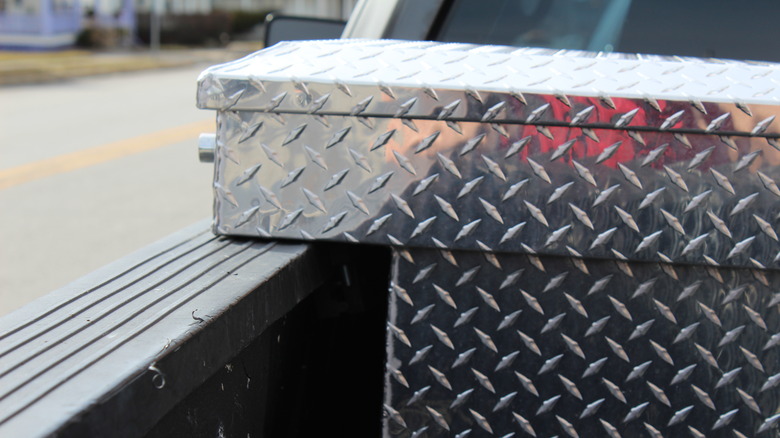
563, 346
559, 190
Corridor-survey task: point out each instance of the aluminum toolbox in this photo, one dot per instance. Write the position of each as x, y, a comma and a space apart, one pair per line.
584, 243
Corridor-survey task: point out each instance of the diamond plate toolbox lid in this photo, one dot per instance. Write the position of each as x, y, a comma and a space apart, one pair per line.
500, 149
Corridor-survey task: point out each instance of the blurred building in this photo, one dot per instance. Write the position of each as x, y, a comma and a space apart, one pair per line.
51, 24
336, 9
40, 24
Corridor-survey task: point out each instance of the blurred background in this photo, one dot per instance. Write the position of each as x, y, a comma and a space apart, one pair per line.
98, 126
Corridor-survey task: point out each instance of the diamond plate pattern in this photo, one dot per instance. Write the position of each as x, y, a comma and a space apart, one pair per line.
381, 181
544, 347
493, 84
585, 244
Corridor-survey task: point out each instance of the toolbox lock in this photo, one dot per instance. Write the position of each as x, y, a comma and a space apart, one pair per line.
207, 143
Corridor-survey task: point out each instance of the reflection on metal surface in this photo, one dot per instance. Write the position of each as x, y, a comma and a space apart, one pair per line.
653, 196
499, 84
401, 155
585, 243
564, 346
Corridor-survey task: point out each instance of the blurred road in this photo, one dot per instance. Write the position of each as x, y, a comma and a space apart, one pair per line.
92, 169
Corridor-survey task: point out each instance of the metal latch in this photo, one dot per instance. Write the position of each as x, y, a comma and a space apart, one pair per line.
207, 143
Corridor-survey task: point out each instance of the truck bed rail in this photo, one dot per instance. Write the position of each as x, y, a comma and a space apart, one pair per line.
111, 353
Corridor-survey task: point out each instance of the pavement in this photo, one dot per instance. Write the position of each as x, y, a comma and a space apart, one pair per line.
94, 168
95, 165
38, 67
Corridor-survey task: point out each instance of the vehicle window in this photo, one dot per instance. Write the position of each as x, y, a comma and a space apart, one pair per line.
703, 28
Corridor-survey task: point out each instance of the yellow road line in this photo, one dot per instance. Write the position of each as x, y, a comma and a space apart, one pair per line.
100, 154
